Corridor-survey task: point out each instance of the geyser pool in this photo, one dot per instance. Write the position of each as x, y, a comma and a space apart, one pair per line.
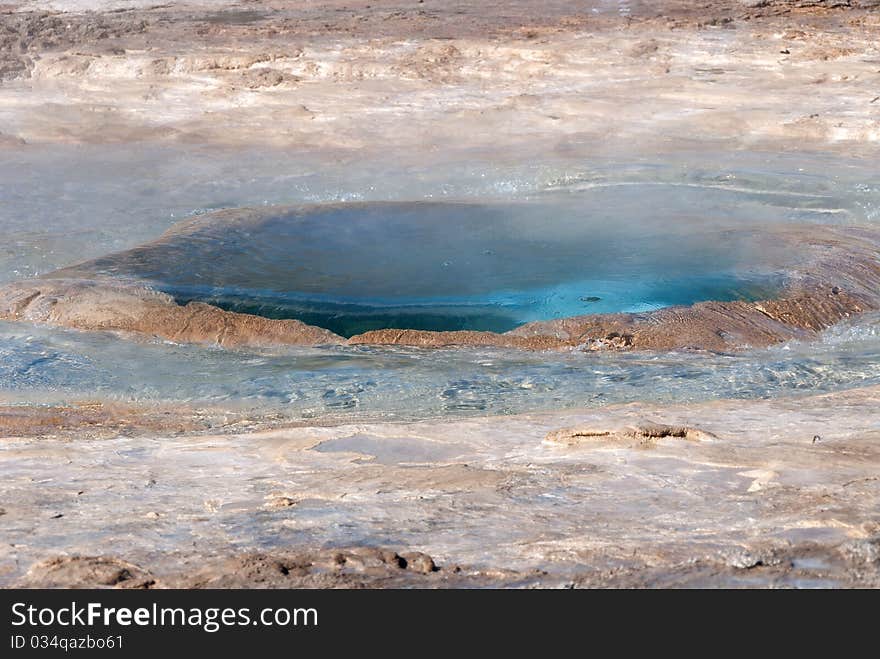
351, 268
68, 203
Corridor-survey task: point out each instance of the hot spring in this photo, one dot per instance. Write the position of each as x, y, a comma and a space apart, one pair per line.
351, 268
353, 248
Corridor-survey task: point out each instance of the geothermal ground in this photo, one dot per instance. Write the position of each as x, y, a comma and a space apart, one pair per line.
157, 434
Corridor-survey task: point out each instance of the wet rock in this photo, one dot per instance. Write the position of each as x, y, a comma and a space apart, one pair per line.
353, 567
367, 559
645, 434
613, 341
419, 562
265, 78
576, 434
95, 420
281, 502
643, 48
85, 572
862, 551
130, 308
660, 430
430, 339
745, 561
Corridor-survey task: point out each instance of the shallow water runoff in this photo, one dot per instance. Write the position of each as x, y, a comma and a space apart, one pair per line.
355, 246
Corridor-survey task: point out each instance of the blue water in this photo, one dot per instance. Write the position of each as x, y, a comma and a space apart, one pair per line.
448, 266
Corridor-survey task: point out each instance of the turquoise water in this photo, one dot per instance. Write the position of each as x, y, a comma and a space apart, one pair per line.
351, 268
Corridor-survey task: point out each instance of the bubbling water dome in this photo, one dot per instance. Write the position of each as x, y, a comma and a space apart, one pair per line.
352, 268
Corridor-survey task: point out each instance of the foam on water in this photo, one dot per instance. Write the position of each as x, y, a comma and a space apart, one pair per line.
46, 365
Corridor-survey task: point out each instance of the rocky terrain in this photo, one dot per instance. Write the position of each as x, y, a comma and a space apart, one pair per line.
731, 493
362, 74
728, 493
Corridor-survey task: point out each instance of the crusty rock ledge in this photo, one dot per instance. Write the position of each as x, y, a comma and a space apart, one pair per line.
355, 567
847, 565
300, 74
93, 305
644, 434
